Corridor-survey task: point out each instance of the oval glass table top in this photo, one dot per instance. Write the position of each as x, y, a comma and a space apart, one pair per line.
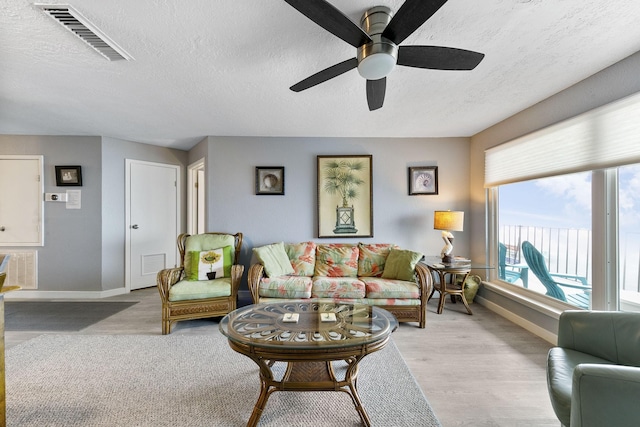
302, 324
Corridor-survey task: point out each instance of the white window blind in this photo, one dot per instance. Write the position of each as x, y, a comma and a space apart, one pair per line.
605, 137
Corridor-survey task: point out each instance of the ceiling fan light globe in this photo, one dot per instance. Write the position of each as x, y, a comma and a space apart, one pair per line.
376, 66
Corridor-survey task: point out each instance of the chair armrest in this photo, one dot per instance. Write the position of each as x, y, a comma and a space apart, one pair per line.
167, 278
574, 278
425, 281
256, 273
236, 277
605, 395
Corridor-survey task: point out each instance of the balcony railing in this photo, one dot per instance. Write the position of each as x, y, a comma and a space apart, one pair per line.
568, 251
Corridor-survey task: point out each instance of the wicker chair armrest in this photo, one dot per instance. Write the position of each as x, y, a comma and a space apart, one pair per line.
425, 281
256, 272
167, 278
236, 277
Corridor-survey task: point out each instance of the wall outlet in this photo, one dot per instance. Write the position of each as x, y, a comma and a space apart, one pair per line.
55, 197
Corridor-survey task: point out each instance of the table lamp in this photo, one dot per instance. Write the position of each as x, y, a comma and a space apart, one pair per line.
448, 221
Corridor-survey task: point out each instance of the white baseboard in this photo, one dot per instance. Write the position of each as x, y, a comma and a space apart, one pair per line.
71, 295
522, 322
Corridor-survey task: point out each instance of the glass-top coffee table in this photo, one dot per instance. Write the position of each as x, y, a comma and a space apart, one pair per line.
308, 337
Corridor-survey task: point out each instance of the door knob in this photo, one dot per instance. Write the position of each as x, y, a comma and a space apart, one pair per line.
2, 228
135, 226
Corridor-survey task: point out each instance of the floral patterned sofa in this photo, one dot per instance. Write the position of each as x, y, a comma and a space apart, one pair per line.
378, 274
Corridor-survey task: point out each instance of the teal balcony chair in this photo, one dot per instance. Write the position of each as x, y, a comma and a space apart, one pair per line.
554, 282
511, 272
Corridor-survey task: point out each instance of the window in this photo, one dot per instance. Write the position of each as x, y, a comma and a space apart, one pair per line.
588, 165
629, 237
554, 215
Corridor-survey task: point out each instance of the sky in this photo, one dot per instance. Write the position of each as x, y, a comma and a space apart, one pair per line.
565, 201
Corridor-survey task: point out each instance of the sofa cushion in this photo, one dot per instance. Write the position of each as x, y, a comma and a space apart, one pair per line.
189, 290
392, 301
401, 264
390, 288
336, 260
214, 260
285, 287
274, 259
372, 258
302, 257
337, 287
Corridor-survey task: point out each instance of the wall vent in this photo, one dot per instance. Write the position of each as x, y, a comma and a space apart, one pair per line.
73, 21
22, 269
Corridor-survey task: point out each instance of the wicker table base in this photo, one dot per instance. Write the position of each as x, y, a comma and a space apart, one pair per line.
308, 347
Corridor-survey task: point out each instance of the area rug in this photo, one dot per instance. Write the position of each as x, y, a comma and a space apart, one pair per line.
187, 380
58, 315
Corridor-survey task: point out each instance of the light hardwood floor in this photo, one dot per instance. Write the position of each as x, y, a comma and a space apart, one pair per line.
479, 370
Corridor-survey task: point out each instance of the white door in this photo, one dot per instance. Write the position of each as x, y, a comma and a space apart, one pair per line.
21, 200
195, 198
152, 221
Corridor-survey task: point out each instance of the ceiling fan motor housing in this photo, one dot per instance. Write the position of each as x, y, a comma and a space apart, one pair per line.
377, 58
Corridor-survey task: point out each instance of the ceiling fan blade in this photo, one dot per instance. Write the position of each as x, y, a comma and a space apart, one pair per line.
438, 58
375, 93
332, 20
411, 15
326, 74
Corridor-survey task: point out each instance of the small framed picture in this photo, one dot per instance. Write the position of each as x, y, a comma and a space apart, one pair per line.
269, 180
68, 176
423, 180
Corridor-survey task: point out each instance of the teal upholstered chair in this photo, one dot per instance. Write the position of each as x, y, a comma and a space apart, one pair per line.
593, 375
187, 293
554, 282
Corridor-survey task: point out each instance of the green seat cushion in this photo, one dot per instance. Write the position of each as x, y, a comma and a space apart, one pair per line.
274, 259
191, 290
337, 287
401, 264
390, 288
285, 287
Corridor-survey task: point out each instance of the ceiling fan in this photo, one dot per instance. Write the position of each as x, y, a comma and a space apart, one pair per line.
377, 43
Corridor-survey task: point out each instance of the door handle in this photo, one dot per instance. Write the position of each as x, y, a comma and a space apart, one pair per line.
2, 228
135, 226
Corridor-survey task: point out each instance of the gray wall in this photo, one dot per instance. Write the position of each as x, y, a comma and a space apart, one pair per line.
611, 84
114, 154
84, 249
398, 218
71, 257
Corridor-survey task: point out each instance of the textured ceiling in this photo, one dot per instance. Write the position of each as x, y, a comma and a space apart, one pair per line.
224, 67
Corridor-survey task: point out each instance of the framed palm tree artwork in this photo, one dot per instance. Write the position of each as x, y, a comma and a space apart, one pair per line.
345, 196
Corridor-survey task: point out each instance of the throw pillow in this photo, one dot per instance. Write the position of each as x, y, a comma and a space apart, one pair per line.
215, 260
302, 256
401, 264
274, 259
372, 258
336, 260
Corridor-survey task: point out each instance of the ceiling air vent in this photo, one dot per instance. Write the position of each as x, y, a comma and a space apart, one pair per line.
73, 21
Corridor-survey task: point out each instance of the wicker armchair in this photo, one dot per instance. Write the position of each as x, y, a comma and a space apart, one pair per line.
184, 299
